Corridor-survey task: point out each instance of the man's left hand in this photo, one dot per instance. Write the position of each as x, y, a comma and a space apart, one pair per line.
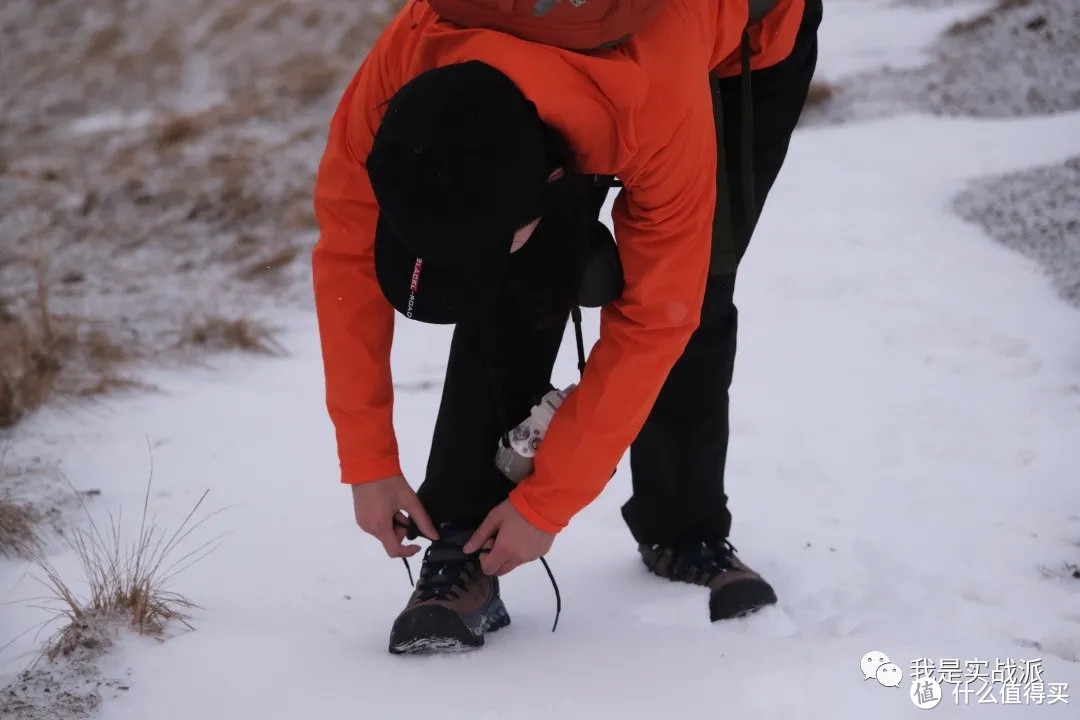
516, 540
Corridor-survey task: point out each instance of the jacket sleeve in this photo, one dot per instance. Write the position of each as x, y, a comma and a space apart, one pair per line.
663, 223
355, 320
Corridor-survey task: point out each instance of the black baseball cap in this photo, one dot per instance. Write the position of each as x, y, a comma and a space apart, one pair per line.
458, 165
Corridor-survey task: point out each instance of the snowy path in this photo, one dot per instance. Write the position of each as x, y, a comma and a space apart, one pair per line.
906, 454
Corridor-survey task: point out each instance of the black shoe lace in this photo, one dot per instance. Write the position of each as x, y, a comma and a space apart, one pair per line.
710, 559
442, 578
555, 587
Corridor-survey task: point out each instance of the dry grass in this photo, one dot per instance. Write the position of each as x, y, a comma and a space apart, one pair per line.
28, 368
240, 201
112, 384
34, 352
961, 28
16, 529
101, 350
177, 129
820, 93
307, 77
17, 532
299, 214
126, 180
104, 40
43, 352
213, 332
242, 249
272, 265
28, 359
126, 579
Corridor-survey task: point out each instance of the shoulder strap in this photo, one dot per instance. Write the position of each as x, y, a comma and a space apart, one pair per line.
724, 259
759, 9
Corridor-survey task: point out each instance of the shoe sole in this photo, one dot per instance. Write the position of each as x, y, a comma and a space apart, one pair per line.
438, 629
748, 599
740, 599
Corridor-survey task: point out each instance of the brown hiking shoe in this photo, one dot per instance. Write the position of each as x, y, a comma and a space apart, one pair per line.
736, 590
454, 602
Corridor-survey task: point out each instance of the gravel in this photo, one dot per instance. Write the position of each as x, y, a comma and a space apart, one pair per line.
1017, 58
1036, 212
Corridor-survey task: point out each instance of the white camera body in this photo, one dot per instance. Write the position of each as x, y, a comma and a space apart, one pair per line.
516, 461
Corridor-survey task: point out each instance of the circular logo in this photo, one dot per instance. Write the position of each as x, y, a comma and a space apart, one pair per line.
925, 693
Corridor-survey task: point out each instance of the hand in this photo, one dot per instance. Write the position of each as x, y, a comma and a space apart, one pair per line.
378, 504
516, 540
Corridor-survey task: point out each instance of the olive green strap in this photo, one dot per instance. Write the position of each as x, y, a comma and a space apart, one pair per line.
759, 9
724, 259
746, 151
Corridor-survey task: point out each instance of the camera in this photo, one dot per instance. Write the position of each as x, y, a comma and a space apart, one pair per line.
515, 461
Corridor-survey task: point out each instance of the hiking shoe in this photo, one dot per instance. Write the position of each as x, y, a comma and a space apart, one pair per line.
454, 602
736, 590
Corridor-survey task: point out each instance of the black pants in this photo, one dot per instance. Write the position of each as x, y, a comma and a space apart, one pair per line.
498, 368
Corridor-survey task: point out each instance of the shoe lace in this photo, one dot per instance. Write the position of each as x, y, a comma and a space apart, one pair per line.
444, 577
709, 559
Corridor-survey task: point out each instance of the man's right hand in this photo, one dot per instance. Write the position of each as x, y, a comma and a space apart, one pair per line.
379, 503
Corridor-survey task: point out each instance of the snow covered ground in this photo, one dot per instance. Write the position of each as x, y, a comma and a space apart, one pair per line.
861, 35
904, 468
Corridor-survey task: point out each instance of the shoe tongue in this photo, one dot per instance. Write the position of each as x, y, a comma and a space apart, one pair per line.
704, 553
445, 553
448, 548
451, 534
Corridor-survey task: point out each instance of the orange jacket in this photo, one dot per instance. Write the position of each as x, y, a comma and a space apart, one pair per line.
641, 111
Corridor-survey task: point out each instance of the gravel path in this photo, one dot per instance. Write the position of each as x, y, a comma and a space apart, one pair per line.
1036, 212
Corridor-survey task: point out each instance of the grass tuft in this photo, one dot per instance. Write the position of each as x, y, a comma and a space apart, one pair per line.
272, 265
35, 343
34, 353
17, 538
111, 384
177, 129
820, 94
307, 77
214, 332
28, 368
126, 580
